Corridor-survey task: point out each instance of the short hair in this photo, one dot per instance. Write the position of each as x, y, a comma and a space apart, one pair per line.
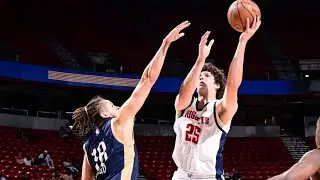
219, 77
86, 118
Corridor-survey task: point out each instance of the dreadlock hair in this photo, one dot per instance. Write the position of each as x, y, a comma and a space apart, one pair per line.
219, 77
88, 117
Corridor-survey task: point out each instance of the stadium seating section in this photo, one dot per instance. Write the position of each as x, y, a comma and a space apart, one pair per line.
254, 158
10, 146
83, 33
31, 48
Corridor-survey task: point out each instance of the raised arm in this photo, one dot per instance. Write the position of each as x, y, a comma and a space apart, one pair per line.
150, 75
229, 100
304, 169
190, 82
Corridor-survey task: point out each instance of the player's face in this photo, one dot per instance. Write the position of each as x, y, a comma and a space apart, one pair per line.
206, 82
108, 109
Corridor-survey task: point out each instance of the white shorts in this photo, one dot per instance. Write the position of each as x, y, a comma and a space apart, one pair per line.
184, 175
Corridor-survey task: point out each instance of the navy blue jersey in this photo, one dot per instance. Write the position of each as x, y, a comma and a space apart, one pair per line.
109, 158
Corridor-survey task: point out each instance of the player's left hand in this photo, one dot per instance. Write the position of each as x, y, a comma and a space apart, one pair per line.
204, 49
176, 33
250, 31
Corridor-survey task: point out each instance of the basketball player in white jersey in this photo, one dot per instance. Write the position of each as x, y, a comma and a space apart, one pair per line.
202, 123
307, 167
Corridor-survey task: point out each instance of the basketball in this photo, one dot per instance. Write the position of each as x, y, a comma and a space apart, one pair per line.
239, 11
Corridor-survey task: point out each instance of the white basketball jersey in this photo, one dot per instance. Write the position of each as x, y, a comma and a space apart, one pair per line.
200, 136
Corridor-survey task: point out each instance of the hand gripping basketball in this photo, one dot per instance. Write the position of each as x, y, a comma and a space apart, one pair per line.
239, 11
250, 31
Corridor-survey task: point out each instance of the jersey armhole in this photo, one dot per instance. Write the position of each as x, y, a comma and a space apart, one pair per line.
84, 148
180, 113
115, 135
86, 154
223, 127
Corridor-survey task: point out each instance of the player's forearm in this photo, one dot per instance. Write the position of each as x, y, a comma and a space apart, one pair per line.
236, 67
190, 82
152, 71
278, 177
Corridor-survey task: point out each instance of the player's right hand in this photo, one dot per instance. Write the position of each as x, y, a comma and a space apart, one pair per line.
250, 31
176, 33
204, 49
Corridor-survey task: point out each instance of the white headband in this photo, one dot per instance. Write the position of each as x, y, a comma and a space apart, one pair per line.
85, 108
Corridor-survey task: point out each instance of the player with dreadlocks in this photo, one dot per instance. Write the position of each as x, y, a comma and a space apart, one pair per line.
110, 152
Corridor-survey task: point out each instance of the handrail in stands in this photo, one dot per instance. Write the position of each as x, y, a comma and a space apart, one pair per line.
58, 114
19, 110
159, 121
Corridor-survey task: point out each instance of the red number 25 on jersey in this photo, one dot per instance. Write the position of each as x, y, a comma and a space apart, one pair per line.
192, 133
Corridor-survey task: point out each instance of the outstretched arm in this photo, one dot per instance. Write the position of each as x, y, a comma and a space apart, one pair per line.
279, 177
304, 169
150, 75
229, 100
190, 83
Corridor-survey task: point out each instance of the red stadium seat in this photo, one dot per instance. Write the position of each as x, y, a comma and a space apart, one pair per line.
254, 158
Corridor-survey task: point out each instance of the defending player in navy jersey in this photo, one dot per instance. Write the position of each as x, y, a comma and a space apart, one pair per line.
110, 152
307, 167
202, 123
